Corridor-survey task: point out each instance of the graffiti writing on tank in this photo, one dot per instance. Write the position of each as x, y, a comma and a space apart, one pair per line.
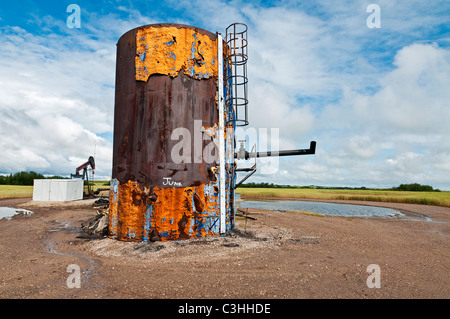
168, 182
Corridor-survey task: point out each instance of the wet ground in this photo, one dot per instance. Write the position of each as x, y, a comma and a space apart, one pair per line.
276, 255
9, 212
328, 209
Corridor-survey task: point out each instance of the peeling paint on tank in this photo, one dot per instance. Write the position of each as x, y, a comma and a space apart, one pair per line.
147, 223
113, 207
169, 43
178, 213
142, 57
212, 132
164, 234
172, 56
174, 50
131, 233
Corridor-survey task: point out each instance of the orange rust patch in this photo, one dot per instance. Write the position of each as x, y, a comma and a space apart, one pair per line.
177, 213
169, 50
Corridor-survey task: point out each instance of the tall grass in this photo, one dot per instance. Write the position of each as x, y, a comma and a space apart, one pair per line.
12, 191
424, 198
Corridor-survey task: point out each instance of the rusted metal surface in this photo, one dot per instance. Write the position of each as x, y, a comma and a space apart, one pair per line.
144, 125
152, 196
177, 213
167, 49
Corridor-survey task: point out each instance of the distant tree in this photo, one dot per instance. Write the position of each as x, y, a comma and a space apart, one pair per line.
23, 178
415, 187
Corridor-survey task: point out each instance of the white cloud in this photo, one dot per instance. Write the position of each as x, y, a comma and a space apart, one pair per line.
400, 132
57, 95
58, 92
413, 96
397, 135
361, 146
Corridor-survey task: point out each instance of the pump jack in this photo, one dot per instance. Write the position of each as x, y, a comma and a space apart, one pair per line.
85, 176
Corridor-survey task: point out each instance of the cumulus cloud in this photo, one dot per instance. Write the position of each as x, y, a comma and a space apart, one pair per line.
400, 132
413, 96
387, 125
57, 91
57, 96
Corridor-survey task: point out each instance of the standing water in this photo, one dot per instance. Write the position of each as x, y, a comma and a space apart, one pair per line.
323, 208
8, 212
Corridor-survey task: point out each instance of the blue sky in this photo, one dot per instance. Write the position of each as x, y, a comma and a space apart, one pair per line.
376, 100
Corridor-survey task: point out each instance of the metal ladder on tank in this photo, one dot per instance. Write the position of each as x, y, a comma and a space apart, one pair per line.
237, 56
236, 101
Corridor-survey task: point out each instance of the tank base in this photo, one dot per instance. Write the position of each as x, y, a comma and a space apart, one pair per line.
161, 214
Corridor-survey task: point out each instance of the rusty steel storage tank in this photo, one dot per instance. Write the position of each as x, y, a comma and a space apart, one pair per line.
170, 125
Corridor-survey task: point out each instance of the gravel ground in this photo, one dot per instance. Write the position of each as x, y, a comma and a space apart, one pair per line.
278, 255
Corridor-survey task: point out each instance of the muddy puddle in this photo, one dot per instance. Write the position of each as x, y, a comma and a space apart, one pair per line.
9, 212
328, 209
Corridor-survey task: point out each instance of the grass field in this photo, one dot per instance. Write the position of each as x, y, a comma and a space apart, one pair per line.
425, 198
13, 191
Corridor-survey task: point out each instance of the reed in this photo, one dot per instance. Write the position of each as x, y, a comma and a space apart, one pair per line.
423, 198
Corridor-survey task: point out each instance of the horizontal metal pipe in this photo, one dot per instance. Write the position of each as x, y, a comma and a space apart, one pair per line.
310, 150
249, 169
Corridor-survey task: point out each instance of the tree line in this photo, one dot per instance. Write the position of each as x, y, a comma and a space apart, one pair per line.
24, 178
415, 187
